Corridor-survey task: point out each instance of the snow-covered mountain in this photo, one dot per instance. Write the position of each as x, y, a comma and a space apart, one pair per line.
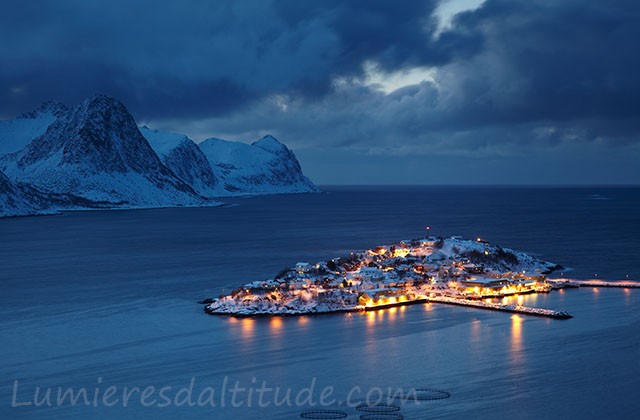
95, 156
264, 167
17, 133
180, 154
218, 167
96, 151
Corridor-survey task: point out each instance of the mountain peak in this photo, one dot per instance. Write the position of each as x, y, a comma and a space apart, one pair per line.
101, 103
271, 144
163, 141
102, 114
265, 166
102, 98
96, 151
99, 132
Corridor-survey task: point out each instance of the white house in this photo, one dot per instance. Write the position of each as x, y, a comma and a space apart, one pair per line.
302, 267
370, 273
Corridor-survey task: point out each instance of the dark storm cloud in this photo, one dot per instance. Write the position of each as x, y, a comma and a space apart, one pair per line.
553, 60
395, 34
540, 74
203, 58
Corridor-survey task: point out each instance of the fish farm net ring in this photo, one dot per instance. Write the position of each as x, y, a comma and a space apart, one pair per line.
323, 414
423, 394
428, 394
381, 416
377, 408
431, 394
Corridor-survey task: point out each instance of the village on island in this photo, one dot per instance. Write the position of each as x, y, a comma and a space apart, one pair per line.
451, 271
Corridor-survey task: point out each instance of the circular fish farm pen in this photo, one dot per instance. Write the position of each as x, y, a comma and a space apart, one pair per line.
378, 408
323, 414
381, 416
423, 394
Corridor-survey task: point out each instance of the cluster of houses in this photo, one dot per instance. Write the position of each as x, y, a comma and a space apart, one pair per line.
396, 273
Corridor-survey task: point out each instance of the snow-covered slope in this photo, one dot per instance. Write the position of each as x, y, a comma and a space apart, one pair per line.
17, 133
22, 199
96, 151
14, 201
180, 154
492, 257
264, 167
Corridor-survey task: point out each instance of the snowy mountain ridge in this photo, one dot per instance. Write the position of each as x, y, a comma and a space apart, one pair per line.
95, 155
263, 167
54, 108
95, 151
17, 133
180, 154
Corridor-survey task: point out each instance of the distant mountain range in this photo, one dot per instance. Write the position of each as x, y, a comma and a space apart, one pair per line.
94, 155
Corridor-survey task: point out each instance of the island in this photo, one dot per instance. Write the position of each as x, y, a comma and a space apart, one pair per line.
432, 269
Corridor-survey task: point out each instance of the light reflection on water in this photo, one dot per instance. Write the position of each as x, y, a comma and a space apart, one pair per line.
475, 331
247, 327
371, 319
627, 296
475, 339
275, 325
516, 339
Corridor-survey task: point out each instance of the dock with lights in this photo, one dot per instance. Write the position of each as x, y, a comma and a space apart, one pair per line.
524, 310
391, 303
385, 303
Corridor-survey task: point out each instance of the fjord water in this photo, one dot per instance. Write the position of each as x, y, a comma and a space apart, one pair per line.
108, 298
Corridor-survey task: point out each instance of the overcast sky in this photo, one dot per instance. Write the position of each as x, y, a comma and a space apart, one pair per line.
373, 92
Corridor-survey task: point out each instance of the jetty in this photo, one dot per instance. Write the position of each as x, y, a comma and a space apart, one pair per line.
519, 309
570, 283
448, 300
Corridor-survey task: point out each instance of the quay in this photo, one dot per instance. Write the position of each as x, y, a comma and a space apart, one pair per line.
569, 283
524, 310
415, 301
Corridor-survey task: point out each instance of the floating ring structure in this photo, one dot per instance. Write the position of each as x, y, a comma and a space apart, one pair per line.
377, 408
423, 394
381, 416
323, 414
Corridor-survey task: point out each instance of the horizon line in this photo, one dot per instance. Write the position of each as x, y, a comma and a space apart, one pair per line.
532, 185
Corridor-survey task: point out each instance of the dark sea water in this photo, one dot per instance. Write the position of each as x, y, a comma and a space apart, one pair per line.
108, 299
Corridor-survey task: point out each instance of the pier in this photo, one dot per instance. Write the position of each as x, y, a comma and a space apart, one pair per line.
473, 303
415, 301
525, 310
447, 300
625, 284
